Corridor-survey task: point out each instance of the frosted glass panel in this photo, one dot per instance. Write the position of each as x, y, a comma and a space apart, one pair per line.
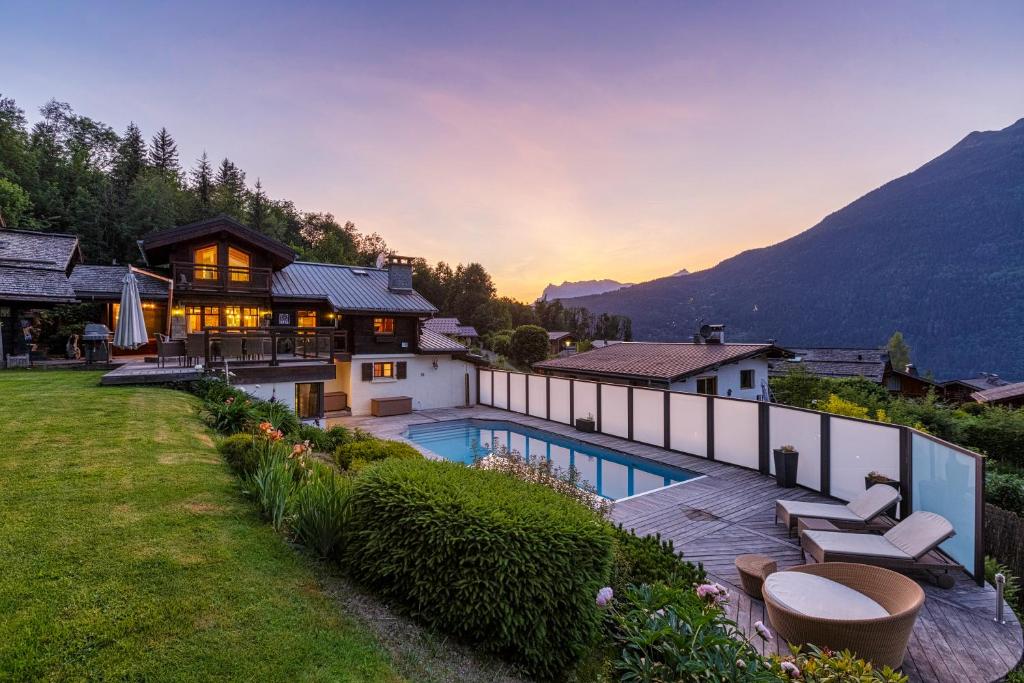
560, 400
649, 416
788, 427
585, 397
615, 410
485, 387
945, 482
689, 416
518, 386
858, 448
736, 432
538, 396
501, 390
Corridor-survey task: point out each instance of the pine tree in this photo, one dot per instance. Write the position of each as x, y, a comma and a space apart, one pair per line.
229, 193
130, 159
258, 205
899, 351
202, 181
163, 152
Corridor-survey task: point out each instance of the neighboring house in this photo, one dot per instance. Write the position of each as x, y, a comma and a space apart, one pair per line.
715, 368
559, 342
452, 328
1007, 396
961, 390
847, 363
34, 270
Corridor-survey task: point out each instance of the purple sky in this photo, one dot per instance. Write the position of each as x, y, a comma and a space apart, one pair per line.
547, 141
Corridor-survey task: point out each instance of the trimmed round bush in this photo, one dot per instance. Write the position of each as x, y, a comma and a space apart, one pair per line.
511, 566
372, 450
238, 450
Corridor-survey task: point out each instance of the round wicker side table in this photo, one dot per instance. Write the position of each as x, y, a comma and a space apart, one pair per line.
753, 569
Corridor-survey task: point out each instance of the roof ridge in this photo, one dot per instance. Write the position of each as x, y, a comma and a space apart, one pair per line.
38, 232
336, 265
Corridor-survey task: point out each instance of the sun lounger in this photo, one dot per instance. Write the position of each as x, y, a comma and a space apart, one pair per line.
857, 512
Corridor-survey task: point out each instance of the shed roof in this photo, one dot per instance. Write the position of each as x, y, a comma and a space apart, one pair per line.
105, 282
657, 360
34, 265
35, 285
347, 288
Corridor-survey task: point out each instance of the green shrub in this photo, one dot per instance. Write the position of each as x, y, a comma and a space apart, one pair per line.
228, 416
322, 440
1011, 589
823, 666
529, 345
214, 389
1006, 491
321, 510
277, 414
648, 559
240, 452
509, 565
274, 482
998, 432
372, 450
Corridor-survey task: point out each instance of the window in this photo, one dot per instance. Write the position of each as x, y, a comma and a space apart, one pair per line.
385, 370
707, 385
238, 263
309, 400
383, 326
153, 314
746, 379
241, 316
306, 319
198, 318
206, 263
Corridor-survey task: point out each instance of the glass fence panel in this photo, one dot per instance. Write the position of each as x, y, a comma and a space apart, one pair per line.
500, 397
945, 482
538, 396
736, 432
649, 416
688, 414
560, 400
518, 393
802, 431
615, 410
857, 449
485, 387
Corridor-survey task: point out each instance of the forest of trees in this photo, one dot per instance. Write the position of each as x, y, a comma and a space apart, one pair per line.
70, 173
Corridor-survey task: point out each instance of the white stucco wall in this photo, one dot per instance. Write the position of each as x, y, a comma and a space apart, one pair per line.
429, 387
729, 379
282, 392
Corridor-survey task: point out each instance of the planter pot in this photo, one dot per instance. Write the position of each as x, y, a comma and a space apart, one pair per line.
785, 468
585, 425
869, 482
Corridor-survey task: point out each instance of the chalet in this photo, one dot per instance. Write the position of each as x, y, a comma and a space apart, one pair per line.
34, 275
962, 390
559, 342
715, 368
871, 364
1007, 396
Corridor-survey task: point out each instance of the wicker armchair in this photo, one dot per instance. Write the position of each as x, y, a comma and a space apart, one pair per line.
882, 641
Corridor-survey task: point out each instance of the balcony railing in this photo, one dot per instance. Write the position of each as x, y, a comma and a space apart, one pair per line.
272, 345
199, 277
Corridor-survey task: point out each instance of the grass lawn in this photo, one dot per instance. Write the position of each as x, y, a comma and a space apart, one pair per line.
128, 550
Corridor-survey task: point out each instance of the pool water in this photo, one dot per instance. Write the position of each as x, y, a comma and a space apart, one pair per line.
613, 474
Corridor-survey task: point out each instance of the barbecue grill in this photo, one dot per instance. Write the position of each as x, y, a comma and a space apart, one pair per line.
96, 343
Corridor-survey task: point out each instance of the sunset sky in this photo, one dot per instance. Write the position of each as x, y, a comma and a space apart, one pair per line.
548, 141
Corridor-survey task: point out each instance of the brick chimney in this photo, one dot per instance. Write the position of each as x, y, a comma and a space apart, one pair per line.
400, 273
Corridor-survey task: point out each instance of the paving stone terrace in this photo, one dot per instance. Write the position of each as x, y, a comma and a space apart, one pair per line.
730, 511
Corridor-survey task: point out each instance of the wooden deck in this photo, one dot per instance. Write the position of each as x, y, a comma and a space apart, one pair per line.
730, 511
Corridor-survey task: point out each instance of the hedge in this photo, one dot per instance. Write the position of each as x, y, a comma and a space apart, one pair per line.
357, 454
508, 565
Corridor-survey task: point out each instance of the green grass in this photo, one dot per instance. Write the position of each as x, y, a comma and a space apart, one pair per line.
127, 550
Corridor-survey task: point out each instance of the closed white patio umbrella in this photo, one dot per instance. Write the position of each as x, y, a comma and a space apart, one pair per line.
131, 326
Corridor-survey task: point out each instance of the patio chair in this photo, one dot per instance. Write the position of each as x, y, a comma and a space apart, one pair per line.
868, 610
195, 347
908, 545
858, 512
168, 348
231, 347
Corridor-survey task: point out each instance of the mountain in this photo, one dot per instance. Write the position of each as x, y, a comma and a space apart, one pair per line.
572, 290
937, 254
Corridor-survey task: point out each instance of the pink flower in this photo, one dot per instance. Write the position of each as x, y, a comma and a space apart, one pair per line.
604, 596
762, 630
713, 592
791, 669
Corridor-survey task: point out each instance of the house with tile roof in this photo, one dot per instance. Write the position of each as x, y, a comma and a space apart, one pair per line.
715, 368
452, 327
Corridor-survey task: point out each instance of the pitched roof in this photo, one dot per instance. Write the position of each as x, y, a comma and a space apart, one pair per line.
656, 360
442, 325
466, 331
105, 282
997, 394
980, 383
157, 245
347, 288
34, 265
435, 342
555, 336
835, 362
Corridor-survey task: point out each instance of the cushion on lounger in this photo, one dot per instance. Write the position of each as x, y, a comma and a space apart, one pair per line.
856, 544
801, 508
919, 533
816, 596
872, 502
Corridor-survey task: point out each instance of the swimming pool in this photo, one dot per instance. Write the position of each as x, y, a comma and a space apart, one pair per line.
615, 475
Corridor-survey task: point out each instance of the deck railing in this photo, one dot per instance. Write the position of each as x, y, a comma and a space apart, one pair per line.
836, 453
269, 344
198, 277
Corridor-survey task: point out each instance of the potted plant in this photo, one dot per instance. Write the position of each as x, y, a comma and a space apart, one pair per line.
786, 458
586, 424
873, 478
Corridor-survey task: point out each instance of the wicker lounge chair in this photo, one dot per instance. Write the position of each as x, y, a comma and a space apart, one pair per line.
857, 512
169, 348
885, 603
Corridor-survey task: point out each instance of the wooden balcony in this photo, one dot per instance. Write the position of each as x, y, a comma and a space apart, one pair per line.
270, 345
197, 277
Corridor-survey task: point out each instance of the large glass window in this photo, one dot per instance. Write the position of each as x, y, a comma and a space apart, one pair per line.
241, 316
309, 399
152, 313
239, 264
206, 263
383, 326
194, 318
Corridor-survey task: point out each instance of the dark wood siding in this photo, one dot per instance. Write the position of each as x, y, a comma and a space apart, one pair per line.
365, 341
